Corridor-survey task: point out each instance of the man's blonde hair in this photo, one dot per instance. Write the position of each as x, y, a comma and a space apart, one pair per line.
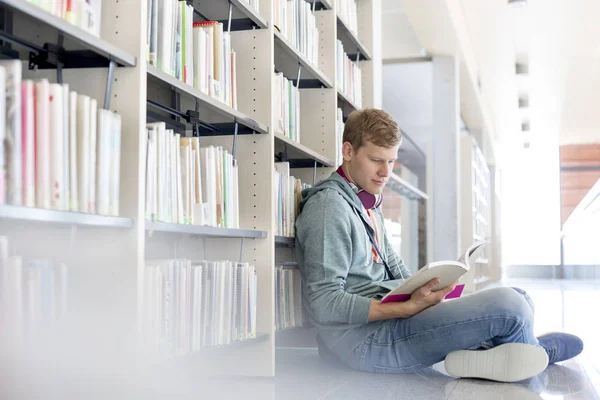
372, 125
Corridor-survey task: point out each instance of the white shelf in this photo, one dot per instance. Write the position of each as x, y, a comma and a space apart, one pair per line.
352, 45
422, 195
72, 33
260, 337
481, 279
287, 265
208, 104
287, 59
324, 4
285, 241
243, 17
249, 12
347, 105
205, 231
300, 154
63, 217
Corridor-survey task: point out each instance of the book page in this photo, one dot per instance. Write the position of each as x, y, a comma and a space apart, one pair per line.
473, 252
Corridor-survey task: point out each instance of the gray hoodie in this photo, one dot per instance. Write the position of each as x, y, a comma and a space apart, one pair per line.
339, 277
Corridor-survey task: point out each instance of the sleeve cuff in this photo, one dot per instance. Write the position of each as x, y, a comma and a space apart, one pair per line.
360, 311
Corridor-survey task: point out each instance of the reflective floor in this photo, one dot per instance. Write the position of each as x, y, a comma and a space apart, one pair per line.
568, 306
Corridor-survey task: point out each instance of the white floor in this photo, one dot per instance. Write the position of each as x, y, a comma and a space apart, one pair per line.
568, 306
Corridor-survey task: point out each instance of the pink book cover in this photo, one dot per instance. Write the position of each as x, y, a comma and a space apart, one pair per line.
457, 292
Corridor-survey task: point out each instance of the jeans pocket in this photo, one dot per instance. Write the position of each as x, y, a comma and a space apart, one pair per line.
380, 369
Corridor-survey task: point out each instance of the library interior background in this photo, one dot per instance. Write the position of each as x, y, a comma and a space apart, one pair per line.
153, 152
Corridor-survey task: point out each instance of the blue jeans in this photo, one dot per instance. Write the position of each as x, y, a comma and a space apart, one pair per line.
481, 320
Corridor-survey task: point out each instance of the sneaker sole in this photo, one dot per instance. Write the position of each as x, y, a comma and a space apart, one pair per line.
510, 362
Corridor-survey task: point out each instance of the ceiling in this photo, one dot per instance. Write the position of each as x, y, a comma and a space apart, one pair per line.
557, 39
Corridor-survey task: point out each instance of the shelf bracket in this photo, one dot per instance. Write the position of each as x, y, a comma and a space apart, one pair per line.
195, 125
241, 248
235, 133
190, 116
313, 6
283, 156
299, 72
53, 54
229, 18
315, 173
109, 82
176, 104
59, 63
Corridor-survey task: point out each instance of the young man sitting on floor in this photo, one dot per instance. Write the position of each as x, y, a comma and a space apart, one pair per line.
342, 249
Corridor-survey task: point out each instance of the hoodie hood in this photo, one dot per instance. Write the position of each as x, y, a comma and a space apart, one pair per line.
337, 183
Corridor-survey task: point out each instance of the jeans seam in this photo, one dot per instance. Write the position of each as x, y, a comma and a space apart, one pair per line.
375, 342
367, 343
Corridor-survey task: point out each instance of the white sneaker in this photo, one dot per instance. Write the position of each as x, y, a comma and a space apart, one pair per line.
509, 362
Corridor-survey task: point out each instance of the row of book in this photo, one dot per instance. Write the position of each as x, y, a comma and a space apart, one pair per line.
33, 292
85, 14
189, 184
58, 149
289, 312
197, 53
287, 107
286, 192
189, 305
297, 23
348, 12
349, 76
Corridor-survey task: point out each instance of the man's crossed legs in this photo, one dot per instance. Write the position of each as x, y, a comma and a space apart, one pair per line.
488, 334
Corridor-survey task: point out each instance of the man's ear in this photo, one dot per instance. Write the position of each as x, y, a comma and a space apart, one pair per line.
347, 151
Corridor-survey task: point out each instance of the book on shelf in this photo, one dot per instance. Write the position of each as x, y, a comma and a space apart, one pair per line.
189, 305
286, 191
348, 12
288, 298
197, 53
348, 75
60, 150
297, 23
339, 137
286, 107
447, 271
85, 14
33, 292
189, 184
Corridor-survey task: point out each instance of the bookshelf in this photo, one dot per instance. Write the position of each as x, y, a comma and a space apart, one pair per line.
76, 40
109, 256
221, 115
287, 60
29, 214
476, 212
205, 231
351, 41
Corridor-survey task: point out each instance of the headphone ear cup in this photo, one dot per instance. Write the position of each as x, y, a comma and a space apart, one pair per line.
368, 200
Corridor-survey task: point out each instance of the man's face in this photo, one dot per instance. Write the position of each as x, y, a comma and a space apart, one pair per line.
370, 166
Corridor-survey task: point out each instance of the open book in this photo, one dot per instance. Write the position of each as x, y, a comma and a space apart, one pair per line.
446, 271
